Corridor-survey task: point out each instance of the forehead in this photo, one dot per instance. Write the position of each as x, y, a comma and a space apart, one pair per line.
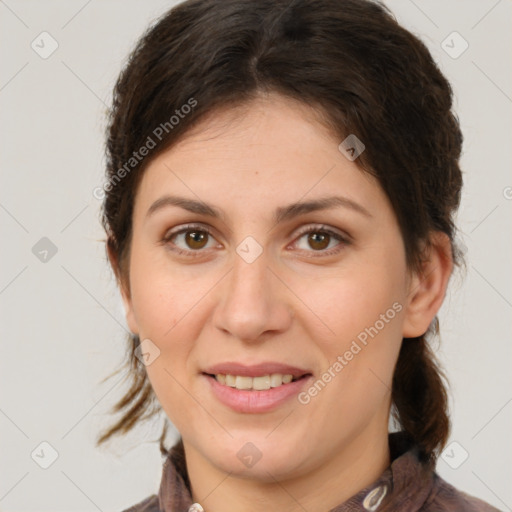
271, 125
272, 150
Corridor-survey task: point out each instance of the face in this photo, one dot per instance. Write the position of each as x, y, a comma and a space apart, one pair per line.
248, 280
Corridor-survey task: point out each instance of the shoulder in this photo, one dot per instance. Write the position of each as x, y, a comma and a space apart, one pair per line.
445, 497
150, 504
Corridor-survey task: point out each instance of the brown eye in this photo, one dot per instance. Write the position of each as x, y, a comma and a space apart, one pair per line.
196, 239
189, 240
320, 240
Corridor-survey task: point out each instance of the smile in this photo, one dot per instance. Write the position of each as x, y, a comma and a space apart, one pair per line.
260, 394
263, 382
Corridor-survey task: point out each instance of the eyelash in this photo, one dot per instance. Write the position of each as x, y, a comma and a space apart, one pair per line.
204, 229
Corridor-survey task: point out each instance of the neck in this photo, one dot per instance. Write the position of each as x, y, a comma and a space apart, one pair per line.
333, 482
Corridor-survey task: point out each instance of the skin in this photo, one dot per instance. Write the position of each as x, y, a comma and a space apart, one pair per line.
293, 304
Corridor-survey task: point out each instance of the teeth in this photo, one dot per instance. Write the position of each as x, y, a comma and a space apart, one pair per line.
256, 383
243, 382
263, 382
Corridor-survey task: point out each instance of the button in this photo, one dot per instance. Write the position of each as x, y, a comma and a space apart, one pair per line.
195, 507
374, 498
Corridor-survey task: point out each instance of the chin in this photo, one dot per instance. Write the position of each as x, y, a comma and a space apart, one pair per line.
258, 460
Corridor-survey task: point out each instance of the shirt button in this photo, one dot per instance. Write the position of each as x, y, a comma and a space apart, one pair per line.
195, 507
374, 498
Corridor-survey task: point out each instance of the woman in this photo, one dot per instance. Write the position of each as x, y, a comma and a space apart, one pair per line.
281, 184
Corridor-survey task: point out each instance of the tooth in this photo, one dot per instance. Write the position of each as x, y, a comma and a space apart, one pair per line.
261, 383
243, 382
231, 380
276, 379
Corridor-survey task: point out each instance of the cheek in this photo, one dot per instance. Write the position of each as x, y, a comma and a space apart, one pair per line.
343, 305
163, 295
166, 309
167, 305
363, 316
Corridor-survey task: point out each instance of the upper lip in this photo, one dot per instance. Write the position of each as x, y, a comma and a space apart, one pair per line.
255, 370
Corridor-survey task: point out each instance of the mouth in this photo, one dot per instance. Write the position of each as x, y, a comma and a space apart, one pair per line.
258, 383
258, 394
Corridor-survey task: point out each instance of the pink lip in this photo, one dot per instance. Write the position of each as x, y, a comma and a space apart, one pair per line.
247, 401
257, 370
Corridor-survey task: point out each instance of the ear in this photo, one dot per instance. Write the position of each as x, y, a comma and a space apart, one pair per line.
427, 288
124, 288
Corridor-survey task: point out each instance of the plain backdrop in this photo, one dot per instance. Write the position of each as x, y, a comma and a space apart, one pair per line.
61, 317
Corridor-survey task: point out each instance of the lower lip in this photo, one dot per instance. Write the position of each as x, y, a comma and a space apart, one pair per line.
255, 401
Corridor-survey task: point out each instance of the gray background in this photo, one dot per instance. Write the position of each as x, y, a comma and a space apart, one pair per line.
62, 327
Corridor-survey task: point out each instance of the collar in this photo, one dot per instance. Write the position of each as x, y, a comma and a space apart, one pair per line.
404, 485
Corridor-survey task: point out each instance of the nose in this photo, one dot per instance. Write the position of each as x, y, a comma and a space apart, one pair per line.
253, 301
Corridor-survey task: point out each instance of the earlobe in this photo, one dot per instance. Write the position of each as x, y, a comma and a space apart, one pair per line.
125, 292
129, 314
428, 288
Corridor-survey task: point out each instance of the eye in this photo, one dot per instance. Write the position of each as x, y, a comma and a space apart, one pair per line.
319, 238
192, 239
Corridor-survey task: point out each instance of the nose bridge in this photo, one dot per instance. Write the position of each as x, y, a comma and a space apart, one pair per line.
248, 280
251, 301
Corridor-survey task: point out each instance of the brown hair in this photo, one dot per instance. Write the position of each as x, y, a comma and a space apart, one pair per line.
364, 73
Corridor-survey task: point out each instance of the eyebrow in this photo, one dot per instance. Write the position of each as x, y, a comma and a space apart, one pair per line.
281, 214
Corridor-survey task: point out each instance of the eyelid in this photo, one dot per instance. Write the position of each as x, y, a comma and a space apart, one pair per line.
185, 227
324, 228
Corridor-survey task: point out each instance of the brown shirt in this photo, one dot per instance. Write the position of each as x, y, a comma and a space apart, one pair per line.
405, 486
